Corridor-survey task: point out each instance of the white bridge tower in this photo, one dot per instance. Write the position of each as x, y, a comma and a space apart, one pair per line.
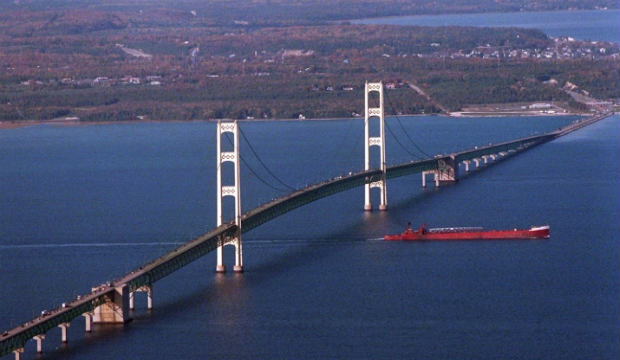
374, 141
229, 190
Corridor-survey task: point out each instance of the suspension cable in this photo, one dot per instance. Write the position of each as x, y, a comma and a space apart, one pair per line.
399, 143
262, 163
253, 172
403, 128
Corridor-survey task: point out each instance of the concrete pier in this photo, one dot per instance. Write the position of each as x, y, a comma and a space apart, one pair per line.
149, 298
39, 339
88, 317
116, 308
18, 353
238, 268
435, 177
63, 327
148, 289
448, 170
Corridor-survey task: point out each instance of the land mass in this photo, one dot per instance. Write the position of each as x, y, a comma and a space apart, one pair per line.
140, 61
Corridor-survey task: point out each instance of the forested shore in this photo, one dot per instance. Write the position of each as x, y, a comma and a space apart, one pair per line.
125, 62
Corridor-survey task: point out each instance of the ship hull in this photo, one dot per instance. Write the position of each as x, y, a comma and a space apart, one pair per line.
539, 232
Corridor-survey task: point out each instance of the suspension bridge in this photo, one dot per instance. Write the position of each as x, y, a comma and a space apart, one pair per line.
112, 302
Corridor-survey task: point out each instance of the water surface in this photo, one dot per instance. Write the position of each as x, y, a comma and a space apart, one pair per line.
579, 24
82, 205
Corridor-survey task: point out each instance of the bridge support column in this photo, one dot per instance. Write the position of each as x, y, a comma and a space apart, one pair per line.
234, 191
477, 162
238, 268
466, 162
39, 340
116, 308
148, 289
18, 353
374, 141
88, 317
63, 327
149, 298
435, 177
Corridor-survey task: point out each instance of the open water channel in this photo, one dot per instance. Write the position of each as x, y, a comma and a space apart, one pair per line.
579, 24
83, 205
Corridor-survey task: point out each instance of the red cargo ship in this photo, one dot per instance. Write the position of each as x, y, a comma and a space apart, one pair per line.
469, 233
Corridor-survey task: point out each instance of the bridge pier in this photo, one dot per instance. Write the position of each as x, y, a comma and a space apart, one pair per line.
238, 268
116, 308
63, 327
18, 353
466, 162
148, 289
88, 318
220, 267
132, 301
39, 340
448, 169
435, 178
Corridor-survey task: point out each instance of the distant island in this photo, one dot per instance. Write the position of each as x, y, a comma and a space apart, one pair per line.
249, 60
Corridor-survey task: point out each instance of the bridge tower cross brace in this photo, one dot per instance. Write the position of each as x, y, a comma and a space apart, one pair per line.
229, 190
374, 141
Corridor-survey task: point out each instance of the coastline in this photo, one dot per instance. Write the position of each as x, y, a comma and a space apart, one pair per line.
9, 125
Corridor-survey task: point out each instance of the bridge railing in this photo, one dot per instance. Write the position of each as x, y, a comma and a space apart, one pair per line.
503, 146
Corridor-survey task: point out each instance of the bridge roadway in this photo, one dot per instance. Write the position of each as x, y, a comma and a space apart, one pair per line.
15, 339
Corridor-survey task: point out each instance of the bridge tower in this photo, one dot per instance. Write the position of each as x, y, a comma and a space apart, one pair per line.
379, 141
229, 190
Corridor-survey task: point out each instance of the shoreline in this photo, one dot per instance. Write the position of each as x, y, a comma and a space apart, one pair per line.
9, 125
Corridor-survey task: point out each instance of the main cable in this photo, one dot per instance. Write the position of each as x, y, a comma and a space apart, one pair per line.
253, 172
262, 163
401, 144
403, 128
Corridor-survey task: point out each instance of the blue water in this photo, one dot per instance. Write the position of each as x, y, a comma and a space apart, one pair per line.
579, 24
82, 205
